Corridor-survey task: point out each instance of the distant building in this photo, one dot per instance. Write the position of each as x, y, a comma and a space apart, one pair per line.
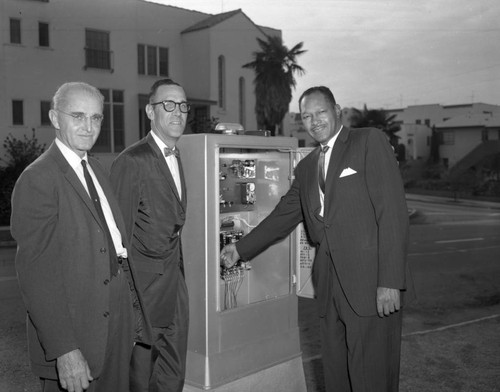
417, 122
466, 139
122, 47
292, 126
416, 139
432, 114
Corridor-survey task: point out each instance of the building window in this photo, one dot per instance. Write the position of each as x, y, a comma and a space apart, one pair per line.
97, 49
112, 136
418, 122
43, 34
201, 120
15, 31
141, 59
163, 61
17, 112
152, 60
448, 138
44, 113
242, 103
427, 122
222, 81
484, 135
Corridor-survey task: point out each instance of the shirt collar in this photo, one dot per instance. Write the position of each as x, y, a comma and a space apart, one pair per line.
160, 142
331, 142
73, 159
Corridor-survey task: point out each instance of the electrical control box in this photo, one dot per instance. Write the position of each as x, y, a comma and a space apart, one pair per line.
243, 319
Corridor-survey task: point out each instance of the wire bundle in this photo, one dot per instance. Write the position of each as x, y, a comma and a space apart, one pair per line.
233, 279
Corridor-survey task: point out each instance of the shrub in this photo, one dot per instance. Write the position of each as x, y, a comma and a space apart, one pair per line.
19, 153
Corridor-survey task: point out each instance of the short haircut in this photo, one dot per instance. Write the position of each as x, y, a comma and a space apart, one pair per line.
61, 96
325, 91
157, 84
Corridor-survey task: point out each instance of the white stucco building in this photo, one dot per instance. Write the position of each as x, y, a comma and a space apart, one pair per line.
465, 139
122, 47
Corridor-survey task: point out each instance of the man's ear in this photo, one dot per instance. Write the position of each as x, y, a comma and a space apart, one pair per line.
54, 118
149, 111
338, 110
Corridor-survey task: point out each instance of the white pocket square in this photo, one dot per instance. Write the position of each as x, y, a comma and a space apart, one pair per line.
347, 172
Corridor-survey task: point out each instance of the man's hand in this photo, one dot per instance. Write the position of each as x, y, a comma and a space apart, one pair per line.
73, 371
387, 301
229, 255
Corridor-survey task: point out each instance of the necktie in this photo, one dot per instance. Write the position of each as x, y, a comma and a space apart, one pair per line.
321, 168
171, 151
113, 262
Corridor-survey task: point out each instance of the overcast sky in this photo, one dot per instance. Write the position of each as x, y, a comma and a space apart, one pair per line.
385, 53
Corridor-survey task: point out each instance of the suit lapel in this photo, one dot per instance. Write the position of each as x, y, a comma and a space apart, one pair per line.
183, 184
73, 180
312, 183
335, 164
165, 171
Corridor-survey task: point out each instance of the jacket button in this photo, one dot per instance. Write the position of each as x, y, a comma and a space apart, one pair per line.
106, 281
102, 250
105, 314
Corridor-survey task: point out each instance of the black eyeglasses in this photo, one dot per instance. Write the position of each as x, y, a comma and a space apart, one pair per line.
169, 106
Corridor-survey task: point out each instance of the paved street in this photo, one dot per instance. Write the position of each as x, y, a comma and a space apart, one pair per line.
448, 332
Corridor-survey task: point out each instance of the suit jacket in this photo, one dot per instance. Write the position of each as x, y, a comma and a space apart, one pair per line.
154, 216
62, 262
364, 231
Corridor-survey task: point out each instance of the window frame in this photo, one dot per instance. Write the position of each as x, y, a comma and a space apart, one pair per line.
43, 34
15, 28
221, 72
98, 53
152, 60
17, 112
44, 113
113, 125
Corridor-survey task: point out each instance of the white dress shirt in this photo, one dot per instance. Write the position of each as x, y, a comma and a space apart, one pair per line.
76, 163
172, 163
328, 154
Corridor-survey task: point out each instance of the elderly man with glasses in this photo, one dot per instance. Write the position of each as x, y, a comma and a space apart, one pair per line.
149, 183
72, 259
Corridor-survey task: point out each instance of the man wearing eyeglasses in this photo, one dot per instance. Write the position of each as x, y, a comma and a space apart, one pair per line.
148, 180
72, 262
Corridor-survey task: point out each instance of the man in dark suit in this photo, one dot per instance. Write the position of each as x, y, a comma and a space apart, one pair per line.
149, 183
77, 284
356, 215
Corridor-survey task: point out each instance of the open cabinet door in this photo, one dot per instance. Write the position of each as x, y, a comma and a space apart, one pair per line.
305, 251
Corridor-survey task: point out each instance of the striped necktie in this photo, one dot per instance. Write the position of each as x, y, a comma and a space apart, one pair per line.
321, 168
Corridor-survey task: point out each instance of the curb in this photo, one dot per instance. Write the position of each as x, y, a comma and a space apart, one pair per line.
457, 202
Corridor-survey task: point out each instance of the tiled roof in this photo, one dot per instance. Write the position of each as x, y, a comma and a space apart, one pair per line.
211, 21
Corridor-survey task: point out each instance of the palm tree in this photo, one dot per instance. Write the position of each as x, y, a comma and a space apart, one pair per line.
375, 118
274, 68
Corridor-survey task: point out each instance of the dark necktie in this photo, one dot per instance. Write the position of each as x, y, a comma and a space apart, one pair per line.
321, 168
113, 262
171, 151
